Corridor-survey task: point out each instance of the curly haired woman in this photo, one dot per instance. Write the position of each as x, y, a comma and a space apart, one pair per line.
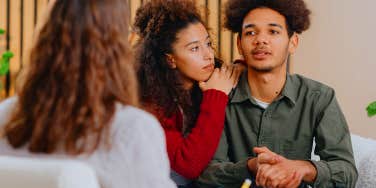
76, 101
182, 83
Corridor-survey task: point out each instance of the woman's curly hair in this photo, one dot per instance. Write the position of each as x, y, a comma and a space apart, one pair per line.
295, 12
157, 23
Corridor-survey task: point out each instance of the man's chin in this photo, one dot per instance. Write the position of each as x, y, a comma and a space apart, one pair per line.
261, 69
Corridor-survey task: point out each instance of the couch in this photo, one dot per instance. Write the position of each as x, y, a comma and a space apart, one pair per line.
365, 160
16, 172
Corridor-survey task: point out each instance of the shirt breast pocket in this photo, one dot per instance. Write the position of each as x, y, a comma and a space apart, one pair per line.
297, 149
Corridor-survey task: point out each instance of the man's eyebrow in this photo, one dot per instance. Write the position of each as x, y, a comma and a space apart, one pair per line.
276, 25
249, 26
271, 24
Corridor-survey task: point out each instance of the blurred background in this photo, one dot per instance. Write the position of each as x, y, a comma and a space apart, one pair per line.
338, 50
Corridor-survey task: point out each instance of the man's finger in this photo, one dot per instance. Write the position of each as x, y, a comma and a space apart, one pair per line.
269, 158
295, 182
261, 175
259, 150
287, 180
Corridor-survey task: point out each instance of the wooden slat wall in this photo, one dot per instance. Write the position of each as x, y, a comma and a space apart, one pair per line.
19, 18
3, 43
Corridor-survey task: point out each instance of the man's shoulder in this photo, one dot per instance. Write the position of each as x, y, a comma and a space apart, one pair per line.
311, 87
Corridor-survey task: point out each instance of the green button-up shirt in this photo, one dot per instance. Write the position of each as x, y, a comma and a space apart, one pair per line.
306, 111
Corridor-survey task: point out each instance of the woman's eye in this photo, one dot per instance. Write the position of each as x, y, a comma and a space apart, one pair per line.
194, 49
209, 44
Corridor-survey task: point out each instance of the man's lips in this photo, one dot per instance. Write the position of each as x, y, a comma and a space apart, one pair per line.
260, 54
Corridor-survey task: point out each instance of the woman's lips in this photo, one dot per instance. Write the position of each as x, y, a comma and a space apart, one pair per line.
209, 67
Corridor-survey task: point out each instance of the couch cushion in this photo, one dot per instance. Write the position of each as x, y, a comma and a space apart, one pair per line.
17, 172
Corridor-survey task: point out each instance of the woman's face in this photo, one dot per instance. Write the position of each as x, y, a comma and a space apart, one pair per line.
193, 54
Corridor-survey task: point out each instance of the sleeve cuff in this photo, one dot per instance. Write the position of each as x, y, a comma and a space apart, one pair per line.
241, 170
323, 173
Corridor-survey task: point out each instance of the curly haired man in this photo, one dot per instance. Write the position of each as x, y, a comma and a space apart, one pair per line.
273, 118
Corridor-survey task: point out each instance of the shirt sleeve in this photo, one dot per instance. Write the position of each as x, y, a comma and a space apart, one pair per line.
139, 157
221, 172
336, 167
156, 167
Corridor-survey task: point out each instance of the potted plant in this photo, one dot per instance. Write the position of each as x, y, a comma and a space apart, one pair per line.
371, 109
4, 64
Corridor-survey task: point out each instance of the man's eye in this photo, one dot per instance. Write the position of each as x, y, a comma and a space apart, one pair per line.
274, 32
251, 33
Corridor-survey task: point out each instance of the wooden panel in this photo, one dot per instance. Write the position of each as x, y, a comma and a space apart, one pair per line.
28, 29
15, 41
225, 48
134, 4
3, 13
235, 53
213, 22
41, 10
202, 5
3, 25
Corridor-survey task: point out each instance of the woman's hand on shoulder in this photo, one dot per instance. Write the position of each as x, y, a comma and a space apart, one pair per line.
222, 79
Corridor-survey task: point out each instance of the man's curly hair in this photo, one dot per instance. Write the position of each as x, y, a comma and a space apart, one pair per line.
295, 12
157, 23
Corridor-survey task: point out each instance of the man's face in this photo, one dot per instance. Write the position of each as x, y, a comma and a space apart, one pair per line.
264, 41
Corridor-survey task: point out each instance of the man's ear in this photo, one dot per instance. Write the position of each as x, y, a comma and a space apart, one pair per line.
239, 45
171, 61
293, 43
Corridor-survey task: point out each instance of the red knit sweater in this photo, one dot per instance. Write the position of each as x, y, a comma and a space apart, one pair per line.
190, 155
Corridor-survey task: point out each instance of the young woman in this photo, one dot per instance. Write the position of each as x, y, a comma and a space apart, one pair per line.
182, 84
77, 97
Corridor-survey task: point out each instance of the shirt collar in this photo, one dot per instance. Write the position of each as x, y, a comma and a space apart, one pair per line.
242, 92
290, 90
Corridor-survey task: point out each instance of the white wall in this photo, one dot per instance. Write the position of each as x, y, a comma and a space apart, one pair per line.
340, 50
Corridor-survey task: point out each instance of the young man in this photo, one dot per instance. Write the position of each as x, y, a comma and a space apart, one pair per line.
273, 118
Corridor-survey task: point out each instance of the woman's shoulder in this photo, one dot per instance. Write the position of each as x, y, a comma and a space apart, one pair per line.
129, 118
8, 103
6, 107
131, 113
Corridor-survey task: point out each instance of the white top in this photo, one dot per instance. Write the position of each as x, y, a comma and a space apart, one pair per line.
262, 104
138, 157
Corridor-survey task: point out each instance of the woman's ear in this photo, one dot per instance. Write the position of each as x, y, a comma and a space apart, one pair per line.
171, 61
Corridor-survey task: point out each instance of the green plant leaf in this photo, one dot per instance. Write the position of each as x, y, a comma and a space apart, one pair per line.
371, 109
7, 55
4, 66
2, 31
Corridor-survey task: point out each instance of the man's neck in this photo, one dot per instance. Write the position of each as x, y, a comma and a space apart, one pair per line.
267, 86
